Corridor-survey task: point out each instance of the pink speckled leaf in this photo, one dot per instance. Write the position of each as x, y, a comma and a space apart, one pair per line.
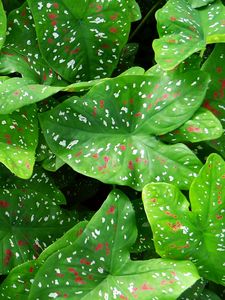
30, 218
110, 133
98, 266
18, 141
18, 283
184, 30
198, 234
2, 25
202, 126
82, 40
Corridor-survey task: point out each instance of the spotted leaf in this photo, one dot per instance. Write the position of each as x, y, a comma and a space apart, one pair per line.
200, 3
202, 126
82, 40
18, 282
2, 25
98, 264
21, 53
198, 234
18, 141
184, 30
32, 205
215, 97
110, 133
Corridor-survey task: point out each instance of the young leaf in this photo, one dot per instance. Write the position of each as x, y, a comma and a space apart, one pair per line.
82, 40
18, 140
202, 126
29, 205
97, 265
184, 30
109, 133
197, 234
2, 25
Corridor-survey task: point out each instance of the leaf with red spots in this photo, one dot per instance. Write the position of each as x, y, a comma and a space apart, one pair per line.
98, 266
82, 40
18, 140
21, 53
215, 97
184, 30
30, 218
110, 133
198, 234
18, 282
202, 126
2, 25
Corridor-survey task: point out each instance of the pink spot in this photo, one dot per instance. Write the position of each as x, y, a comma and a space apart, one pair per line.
111, 210
123, 147
114, 17
106, 158
130, 165
54, 23
56, 5
194, 129
173, 19
84, 261
96, 156
139, 114
99, 8
146, 287
149, 107
27, 164
52, 16
79, 280
99, 247
170, 214
123, 297
72, 270
31, 269
16, 93
113, 30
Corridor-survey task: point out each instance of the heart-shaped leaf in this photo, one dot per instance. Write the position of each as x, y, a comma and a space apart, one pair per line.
198, 234
63, 28
184, 30
98, 265
18, 140
109, 133
2, 25
202, 126
215, 97
200, 3
21, 53
32, 204
18, 282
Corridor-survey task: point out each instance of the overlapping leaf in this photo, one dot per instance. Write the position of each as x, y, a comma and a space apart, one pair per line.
98, 265
30, 218
21, 53
197, 235
18, 141
109, 133
82, 40
200, 3
2, 25
184, 30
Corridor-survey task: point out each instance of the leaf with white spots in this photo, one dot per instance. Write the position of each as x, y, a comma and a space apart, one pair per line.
201, 127
30, 218
215, 97
198, 234
110, 133
18, 282
82, 40
2, 25
18, 141
21, 53
98, 266
200, 3
184, 30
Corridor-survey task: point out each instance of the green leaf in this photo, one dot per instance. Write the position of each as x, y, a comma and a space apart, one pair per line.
202, 126
2, 25
18, 140
18, 282
184, 30
110, 133
207, 294
97, 265
200, 3
21, 53
215, 98
197, 234
82, 40
30, 219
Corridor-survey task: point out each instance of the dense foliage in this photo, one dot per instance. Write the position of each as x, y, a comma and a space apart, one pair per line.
112, 147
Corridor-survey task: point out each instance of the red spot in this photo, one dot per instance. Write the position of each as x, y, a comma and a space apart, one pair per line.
66, 49
170, 214
123, 147
78, 153
52, 16
172, 41
16, 93
44, 77
96, 156
94, 111
194, 129
50, 41
113, 30
131, 101
54, 23
84, 261
99, 247
105, 46
219, 69
107, 249
102, 103
153, 200
8, 255
8, 252
80, 231
79, 280
139, 114
23, 13
130, 165
123, 297
149, 107
65, 296
176, 226
75, 51
99, 8
114, 17
22, 243
173, 19
7, 53
4, 203
27, 164
111, 210
90, 277
219, 217
60, 275
55, 5
106, 159
72, 270
146, 287
31, 269
165, 96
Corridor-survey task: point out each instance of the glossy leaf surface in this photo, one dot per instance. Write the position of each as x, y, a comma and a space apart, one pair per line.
197, 234
2, 25
98, 265
110, 133
200, 3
